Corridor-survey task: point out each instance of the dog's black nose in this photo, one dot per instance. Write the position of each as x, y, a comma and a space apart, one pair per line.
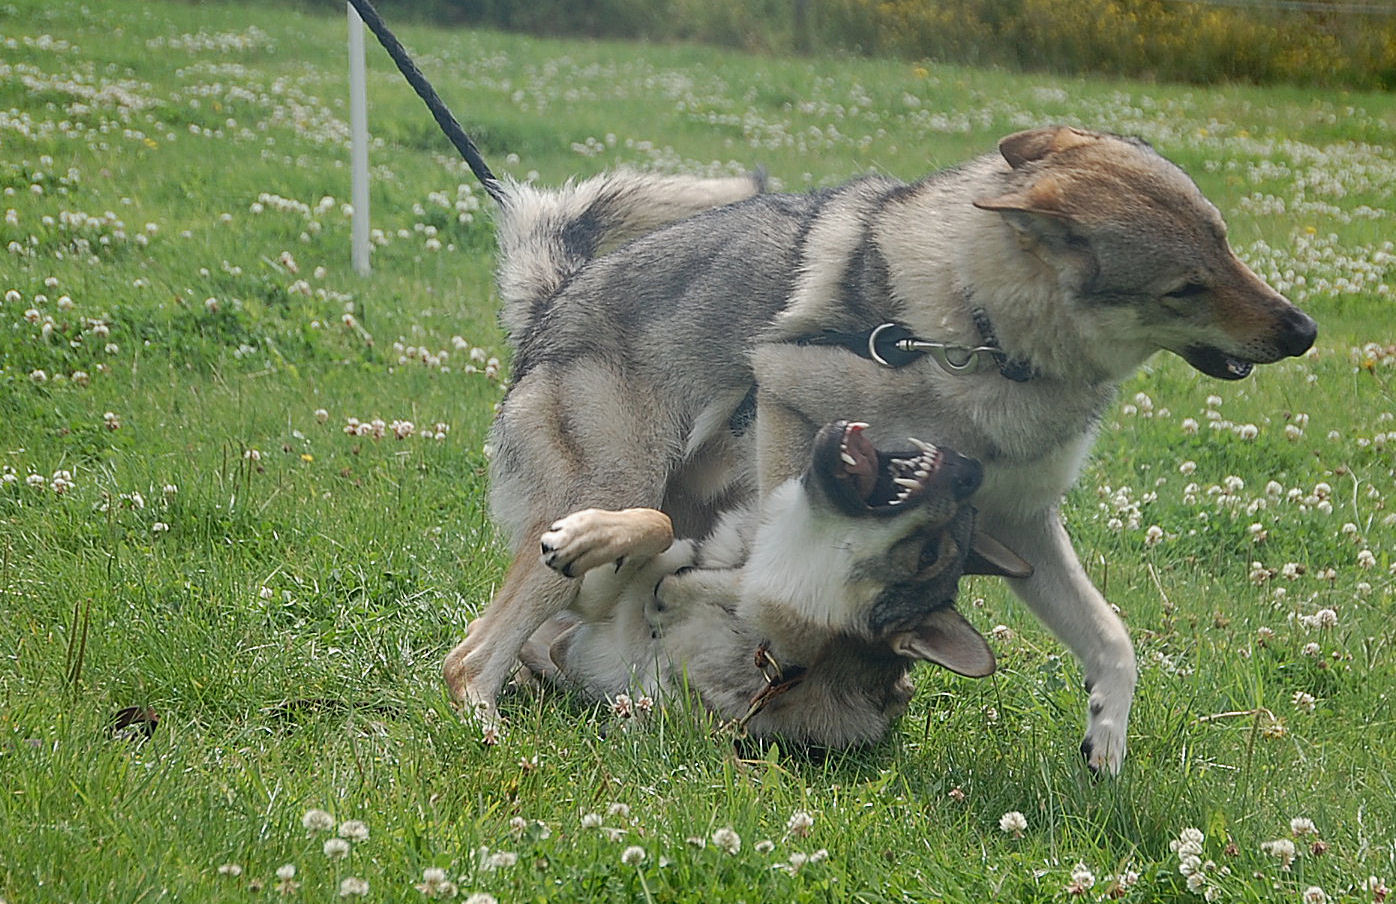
1300, 331
965, 477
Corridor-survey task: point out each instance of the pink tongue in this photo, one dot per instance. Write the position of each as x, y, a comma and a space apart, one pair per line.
864, 455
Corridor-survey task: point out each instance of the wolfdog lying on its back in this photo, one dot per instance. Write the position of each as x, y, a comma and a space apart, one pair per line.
800, 620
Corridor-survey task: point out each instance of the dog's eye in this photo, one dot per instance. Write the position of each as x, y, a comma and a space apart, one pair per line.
936, 555
1187, 290
930, 554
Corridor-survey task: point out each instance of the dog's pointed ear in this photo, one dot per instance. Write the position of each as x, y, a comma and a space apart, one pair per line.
1045, 197
1022, 148
989, 556
947, 639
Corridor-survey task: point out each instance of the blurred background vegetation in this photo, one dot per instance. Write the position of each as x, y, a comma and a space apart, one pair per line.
1329, 43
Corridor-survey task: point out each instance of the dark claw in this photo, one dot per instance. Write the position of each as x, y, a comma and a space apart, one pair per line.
1087, 748
619, 563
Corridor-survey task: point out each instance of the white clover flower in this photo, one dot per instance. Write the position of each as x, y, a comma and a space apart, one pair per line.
1304, 703
317, 820
1153, 535
727, 840
479, 897
1187, 844
1314, 895
1281, 849
436, 884
1013, 823
500, 860
1311, 649
618, 810
1082, 879
799, 824
353, 830
591, 820
1365, 559
352, 886
336, 848
633, 855
1300, 826
286, 871
230, 869
765, 846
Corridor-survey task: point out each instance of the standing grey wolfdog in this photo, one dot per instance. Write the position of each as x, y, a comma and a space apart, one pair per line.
678, 343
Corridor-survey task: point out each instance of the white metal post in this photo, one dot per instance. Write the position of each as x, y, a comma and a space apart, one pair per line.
358, 127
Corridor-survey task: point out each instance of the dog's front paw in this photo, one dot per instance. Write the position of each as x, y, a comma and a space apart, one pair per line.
1104, 749
1104, 745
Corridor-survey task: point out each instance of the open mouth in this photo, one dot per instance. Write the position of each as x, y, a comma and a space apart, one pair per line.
1215, 363
862, 479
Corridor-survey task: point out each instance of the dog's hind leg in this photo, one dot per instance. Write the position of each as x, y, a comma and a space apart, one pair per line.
1061, 594
475, 671
583, 540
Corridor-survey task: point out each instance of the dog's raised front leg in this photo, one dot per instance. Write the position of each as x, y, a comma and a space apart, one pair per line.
574, 545
1063, 597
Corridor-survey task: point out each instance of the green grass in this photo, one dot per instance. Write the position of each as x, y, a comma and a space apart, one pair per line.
285, 613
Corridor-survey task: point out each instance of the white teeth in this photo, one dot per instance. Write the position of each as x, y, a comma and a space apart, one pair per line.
907, 482
848, 459
922, 474
924, 447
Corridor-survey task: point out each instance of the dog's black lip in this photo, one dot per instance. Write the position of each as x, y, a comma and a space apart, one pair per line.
1216, 363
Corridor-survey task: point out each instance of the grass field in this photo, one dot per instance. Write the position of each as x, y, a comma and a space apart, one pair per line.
244, 488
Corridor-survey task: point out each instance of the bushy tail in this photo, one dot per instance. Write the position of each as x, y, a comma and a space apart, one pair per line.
547, 235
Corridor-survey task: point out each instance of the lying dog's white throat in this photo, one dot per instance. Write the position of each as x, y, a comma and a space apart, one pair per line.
801, 560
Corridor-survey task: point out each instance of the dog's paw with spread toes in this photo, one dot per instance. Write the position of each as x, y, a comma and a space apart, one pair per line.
593, 537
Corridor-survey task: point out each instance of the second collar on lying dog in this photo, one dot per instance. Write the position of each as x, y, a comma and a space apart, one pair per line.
894, 345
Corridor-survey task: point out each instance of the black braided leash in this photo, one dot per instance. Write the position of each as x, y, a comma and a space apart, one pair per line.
434, 103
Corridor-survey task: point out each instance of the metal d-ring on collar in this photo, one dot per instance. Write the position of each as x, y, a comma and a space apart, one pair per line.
890, 343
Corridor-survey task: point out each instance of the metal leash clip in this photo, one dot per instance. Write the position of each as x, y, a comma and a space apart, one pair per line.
893, 345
